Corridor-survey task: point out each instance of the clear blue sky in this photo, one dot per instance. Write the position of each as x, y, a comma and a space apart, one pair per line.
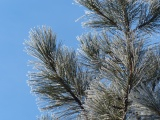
17, 18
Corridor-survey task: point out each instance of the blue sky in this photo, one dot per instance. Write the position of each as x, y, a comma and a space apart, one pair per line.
17, 18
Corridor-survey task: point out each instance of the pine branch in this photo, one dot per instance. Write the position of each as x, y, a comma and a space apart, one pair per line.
120, 76
99, 15
58, 79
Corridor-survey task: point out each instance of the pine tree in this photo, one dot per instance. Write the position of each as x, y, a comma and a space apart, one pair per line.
115, 75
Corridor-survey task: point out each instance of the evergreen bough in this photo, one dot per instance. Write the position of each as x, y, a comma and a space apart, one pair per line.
115, 75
